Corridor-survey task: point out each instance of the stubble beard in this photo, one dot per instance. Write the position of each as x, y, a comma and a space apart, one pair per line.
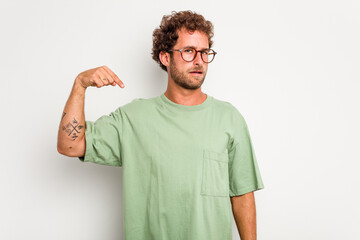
183, 81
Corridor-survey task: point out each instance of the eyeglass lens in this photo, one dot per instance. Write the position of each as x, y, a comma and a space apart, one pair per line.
189, 54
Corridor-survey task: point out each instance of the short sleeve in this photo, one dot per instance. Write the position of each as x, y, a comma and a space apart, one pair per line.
244, 174
103, 139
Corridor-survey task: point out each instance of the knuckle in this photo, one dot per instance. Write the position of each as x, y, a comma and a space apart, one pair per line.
99, 84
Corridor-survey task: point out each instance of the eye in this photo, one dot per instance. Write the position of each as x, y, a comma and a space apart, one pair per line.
205, 52
188, 50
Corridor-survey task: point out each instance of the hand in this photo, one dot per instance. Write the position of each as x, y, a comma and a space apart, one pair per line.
98, 77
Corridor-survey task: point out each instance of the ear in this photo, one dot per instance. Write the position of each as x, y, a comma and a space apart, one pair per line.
164, 58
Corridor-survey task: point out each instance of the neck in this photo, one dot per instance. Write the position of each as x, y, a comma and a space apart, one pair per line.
185, 96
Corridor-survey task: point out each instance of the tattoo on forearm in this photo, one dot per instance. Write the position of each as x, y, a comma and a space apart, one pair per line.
73, 129
64, 113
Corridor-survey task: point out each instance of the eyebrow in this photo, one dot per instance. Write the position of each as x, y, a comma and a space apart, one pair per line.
195, 48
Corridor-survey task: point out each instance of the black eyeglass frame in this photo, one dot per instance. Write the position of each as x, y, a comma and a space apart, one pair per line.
196, 51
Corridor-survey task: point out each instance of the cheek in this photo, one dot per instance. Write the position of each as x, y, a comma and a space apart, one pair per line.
183, 66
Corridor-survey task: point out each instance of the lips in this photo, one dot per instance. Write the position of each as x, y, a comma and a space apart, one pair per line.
196, 72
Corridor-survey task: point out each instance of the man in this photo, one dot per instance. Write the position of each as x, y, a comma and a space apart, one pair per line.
184, 153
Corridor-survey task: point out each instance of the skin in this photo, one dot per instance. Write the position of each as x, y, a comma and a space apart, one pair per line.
244, 212
184, 87
71, 140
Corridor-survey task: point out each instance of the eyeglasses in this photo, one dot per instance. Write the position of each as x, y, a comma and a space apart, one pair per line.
189, 54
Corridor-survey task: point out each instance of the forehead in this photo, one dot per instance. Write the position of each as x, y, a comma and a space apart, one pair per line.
196, 39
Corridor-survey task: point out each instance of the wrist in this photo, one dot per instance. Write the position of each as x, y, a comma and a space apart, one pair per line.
78, 88
78, 84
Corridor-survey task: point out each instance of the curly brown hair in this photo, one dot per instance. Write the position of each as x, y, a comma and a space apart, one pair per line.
165, 37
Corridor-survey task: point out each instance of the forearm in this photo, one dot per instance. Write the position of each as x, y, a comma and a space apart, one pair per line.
244, 211
72, 125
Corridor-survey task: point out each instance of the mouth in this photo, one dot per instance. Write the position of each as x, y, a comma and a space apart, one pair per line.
196, 72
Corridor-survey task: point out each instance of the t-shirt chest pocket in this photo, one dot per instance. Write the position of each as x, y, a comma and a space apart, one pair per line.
215, 175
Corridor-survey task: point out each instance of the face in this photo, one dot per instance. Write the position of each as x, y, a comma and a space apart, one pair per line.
189, 75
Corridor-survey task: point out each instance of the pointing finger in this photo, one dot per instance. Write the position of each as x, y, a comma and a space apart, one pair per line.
114, 76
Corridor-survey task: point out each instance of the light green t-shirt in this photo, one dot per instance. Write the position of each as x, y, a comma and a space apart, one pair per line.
181, 164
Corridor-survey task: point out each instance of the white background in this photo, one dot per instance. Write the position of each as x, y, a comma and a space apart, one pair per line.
290, 67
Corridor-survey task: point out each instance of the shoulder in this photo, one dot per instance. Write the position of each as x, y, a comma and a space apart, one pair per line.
228, 109
139, 105
230, 113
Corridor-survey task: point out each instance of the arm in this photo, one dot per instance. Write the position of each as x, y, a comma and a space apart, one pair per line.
71, 138
244, 211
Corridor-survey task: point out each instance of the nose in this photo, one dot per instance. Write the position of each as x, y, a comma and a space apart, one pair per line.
198, 59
